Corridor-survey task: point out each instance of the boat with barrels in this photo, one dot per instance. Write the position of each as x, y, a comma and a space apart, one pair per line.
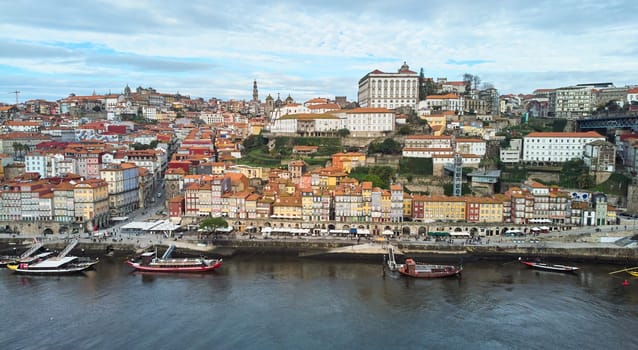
149, 262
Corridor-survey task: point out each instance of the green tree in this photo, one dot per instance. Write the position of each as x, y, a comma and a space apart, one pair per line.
405, 130
343, 132
140, 146
585, 180
574, 174
376, 181
211, 224
253, 141
422, 88
467, 79
17, 146
559, 125
388, 146
380, 176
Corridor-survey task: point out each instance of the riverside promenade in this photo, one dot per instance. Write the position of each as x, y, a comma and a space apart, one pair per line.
572, 246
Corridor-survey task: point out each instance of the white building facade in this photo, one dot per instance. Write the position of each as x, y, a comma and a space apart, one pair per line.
389, 90
447, 102
368, 121
556, 146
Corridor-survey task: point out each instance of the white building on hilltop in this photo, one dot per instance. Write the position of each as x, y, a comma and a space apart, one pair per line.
389, 90
360, 122
557, 147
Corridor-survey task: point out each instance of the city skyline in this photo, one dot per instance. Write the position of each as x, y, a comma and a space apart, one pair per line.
308, 49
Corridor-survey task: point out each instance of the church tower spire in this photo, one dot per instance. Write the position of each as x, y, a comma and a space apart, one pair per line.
255, 92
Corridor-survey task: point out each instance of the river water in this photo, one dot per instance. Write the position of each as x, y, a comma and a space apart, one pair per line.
284, 303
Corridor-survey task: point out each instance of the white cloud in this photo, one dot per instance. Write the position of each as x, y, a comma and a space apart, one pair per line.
315, 47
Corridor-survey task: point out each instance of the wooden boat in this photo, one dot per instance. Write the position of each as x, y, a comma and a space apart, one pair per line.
149, 262
419, 270
53, 266
33, 259
8, 259
536, 264
26, 256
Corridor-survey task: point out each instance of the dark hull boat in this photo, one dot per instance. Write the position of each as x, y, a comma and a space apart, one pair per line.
149, 262
53, 266
538, 265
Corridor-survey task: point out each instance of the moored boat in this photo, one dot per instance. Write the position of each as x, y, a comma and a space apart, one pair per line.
29, 260
53, 266
7, 259
537, 264
149, 262
27, 256
420, 270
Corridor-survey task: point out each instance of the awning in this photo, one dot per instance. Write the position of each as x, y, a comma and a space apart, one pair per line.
460, 234
387, 233
544, 228
438, 234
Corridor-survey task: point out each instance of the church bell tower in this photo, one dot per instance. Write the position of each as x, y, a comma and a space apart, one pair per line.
255, 92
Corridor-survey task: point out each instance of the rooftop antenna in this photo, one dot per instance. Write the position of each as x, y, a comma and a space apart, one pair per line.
17, 93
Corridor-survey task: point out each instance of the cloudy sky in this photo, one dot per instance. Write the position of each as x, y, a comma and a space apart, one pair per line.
308, 48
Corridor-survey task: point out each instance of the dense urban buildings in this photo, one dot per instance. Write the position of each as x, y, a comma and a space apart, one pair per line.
87, 161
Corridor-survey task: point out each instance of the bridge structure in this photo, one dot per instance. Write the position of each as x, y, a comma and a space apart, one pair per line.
619, 121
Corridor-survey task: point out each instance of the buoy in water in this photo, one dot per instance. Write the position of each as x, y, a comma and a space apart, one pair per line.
625, 283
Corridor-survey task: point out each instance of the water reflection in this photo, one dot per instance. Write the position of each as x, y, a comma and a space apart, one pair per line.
290, 303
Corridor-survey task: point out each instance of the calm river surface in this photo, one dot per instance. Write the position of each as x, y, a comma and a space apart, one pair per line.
283, 303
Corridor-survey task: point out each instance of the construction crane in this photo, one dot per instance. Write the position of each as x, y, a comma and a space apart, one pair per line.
17, 93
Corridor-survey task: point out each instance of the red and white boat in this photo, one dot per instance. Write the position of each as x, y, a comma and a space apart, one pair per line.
419, 270
149, 262
537, 264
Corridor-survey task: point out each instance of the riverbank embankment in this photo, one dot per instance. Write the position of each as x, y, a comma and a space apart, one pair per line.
341, 249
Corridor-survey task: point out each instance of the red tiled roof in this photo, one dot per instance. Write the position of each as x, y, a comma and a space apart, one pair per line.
368, 110
442, 97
